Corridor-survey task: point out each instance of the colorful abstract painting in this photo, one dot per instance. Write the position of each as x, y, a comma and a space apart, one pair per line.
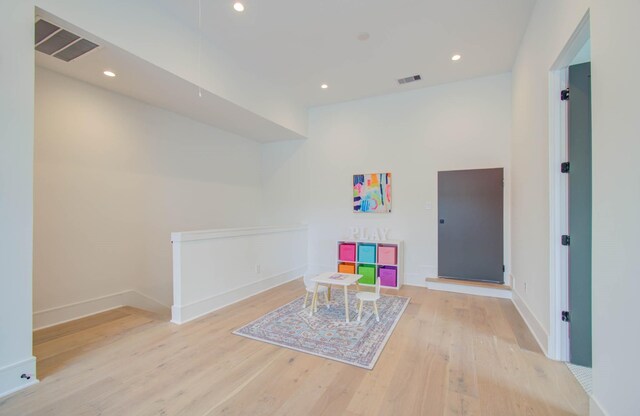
372, 192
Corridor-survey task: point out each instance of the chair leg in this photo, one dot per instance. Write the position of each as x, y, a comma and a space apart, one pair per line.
346, 305
375, 308
306, 297
326, 298
314, 301
360, 310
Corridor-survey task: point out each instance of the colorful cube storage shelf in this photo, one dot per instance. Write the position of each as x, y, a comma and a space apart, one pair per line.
349, 268
368, 272
387, 275
374, 260
387, 254
366, 253
347, 252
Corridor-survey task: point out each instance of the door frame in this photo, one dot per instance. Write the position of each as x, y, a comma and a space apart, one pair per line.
558, 344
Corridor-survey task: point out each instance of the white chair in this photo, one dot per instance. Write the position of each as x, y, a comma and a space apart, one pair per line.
369, 297
311, 288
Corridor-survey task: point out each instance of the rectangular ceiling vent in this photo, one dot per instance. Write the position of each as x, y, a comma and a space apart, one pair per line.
407, 80
60, 43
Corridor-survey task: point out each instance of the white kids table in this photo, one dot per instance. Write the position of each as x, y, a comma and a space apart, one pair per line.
338, 279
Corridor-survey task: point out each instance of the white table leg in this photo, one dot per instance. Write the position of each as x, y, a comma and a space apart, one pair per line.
314, 300
346, 304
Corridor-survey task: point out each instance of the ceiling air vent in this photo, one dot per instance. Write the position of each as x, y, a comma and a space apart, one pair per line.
412, 78
60, 43
44, 29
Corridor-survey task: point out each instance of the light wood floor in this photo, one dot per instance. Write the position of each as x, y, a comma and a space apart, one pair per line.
450, 354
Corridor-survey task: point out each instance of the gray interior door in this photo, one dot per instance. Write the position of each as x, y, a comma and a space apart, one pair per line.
470, 229
580, 213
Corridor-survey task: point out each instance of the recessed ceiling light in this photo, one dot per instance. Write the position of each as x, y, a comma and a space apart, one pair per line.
239, 7
456, 57
324, 86
109, 73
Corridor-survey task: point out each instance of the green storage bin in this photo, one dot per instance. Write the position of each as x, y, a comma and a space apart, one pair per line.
368, 273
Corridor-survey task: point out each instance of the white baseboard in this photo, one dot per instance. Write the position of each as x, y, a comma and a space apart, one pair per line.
414, 279
141, 301
181, 314
10, 376
536, 328
469, 290
594, 408
73, 311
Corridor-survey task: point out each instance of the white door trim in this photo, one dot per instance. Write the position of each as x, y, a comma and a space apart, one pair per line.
559, 216
558, 192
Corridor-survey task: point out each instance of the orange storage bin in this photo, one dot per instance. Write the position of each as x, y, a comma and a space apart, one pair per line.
348, 268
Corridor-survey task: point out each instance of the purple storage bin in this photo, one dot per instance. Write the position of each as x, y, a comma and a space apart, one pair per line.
388, 276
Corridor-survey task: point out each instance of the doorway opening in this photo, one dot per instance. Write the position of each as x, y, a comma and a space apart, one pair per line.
562, 260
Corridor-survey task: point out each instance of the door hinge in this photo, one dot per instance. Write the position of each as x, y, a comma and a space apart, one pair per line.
503, 268
564, 95
566, 240
565, 167
565, 316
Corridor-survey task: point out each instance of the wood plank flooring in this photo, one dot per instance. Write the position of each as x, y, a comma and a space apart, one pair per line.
451, 354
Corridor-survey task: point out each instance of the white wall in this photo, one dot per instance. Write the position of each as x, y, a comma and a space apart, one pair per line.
616, 175
113, 178
142, 28
616, 202
414, 135
214, 268
16, 186
551, 26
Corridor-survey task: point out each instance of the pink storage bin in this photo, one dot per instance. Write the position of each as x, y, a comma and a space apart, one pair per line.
388, 276
347, 252
387, 255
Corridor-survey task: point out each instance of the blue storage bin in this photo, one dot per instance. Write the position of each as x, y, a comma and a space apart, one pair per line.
367, 253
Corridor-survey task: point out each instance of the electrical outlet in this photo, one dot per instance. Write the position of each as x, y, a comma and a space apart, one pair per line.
257, 268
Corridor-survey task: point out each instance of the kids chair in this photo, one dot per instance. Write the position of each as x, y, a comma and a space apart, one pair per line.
369, 297
311, 287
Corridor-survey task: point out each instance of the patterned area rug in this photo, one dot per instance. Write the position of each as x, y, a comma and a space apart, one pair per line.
326, 333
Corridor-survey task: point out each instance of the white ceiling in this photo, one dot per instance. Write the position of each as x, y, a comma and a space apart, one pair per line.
146, 82
297, 45
300, 44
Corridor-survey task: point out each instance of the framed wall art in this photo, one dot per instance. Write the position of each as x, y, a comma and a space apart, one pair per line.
372, 192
